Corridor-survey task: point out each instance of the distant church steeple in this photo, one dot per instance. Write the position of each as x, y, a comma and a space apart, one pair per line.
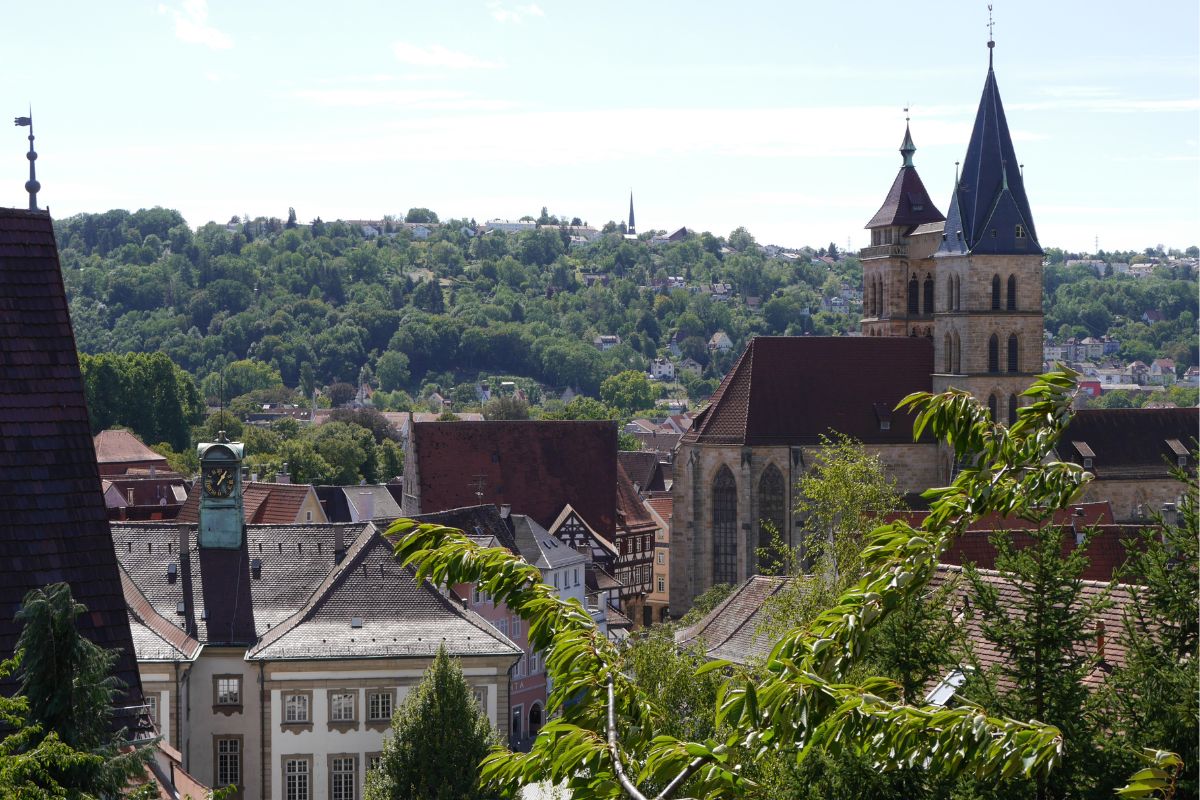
32, 186
632, 229
989, 212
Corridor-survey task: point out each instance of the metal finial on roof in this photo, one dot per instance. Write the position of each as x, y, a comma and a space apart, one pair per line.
991, 38
32, 186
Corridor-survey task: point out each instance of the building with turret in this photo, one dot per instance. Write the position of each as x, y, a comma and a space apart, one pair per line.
950, 300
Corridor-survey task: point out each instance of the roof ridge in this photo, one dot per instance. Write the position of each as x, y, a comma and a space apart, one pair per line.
154, 622
323, 588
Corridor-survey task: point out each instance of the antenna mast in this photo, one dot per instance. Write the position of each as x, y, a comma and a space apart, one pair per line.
32, 186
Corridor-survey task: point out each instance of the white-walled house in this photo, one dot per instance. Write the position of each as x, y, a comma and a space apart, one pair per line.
276, 666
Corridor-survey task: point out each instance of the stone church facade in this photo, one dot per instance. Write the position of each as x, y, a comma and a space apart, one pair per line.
949, 300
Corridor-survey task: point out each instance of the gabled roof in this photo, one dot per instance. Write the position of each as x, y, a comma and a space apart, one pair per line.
223, 601
478, 522
119, 446
53, 522
663, 505
536, 467
990, 195
541, 549
632, 514
370, 606
1129, 443
642, 468
372, 501
731, 630
907, 202
262, 503
792, 389
155, 638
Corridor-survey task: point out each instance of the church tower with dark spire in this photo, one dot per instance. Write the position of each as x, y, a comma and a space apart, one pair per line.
988, 321
898, 287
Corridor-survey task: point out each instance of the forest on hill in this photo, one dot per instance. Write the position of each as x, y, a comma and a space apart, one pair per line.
267, 310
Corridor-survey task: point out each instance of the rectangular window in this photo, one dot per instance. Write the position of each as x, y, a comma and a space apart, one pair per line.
152, 708
661, 557
379, 705
662, 584
295, 708
373, 760
343, 777
480, 693
227, 690
501, 625
341, 707
297, 777
577, 576
516, 626
229, 761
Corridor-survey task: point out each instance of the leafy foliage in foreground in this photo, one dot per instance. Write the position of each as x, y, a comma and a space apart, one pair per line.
606, 741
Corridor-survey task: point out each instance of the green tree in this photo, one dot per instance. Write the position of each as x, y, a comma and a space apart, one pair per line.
506, 407
62, 744
628, 391
420, 215
601, 740
440, 735
1153, 696
392, 370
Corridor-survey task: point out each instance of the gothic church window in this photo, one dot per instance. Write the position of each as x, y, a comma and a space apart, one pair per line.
928, 294
993, 354
995, 292
957, 293
1013, 405
724, 517
1012, 292
914, 290
956, 365
948, 357
949, 292
1013, 348
992, 406
771, 521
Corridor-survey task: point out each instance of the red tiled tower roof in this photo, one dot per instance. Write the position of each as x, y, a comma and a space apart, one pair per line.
54, 526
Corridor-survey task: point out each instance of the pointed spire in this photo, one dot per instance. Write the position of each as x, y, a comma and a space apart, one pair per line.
907, 148
632, 228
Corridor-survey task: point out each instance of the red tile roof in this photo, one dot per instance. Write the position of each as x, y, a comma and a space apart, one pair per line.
118, 446
262, 503
631, 511
792, 389
663, 505
53, 525
537, 467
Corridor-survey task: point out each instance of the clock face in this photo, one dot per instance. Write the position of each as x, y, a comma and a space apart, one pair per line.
219, 481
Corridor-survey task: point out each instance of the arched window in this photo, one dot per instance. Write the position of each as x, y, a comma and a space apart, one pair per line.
957, 293
948, 355
992, 406
724, 517
1013, 405
1012, 293
995, 292
1013, 349
771, 521
928, 294
957, 365
914, 299
535, 719
993, 354
949, 292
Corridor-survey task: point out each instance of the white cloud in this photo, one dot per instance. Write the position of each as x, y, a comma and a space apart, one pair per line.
516, 13
435, 55
191, 25
426, 99
1110, 105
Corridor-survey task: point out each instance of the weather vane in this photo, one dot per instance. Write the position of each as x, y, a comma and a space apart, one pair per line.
32, 184
991, 24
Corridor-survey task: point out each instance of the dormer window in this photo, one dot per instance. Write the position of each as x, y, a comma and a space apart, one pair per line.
1085, 452
1020, 231
1179, 451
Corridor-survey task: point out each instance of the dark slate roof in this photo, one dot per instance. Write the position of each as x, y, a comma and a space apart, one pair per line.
731, 630
540, 548
479, 522
1131, 442
990, 195
54, 525
907, 202
155, 637
396, 616
537, 467
791, 389
643, 468
223, 602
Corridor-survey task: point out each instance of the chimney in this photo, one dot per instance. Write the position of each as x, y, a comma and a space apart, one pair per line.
283, 476
339, 545
505, 510
1077, 524
1170, 515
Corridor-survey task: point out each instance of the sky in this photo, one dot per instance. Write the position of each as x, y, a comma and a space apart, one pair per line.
782, 117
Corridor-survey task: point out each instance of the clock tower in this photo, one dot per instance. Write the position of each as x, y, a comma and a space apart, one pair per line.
222, 524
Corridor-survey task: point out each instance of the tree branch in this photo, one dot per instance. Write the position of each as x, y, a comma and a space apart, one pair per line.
626, 784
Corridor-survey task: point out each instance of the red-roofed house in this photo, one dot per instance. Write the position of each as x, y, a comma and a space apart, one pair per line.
118, 451
269, 504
